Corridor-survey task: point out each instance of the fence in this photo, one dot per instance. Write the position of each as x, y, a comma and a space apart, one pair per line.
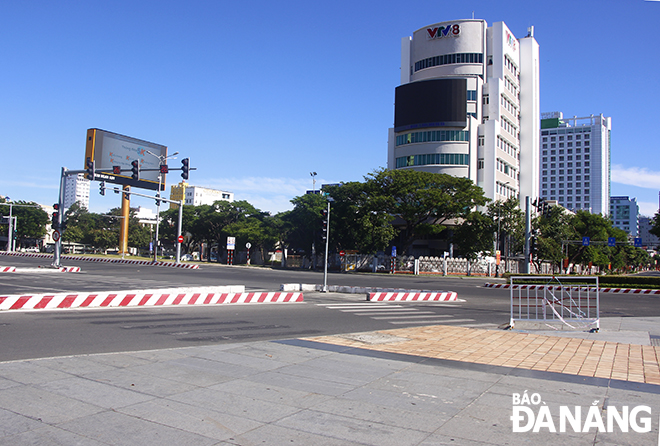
571, 301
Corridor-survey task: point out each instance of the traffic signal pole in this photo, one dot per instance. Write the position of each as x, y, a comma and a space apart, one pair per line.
528, 227
57, 252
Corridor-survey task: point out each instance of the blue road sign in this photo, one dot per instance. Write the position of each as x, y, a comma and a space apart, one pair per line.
638, 242
393, 251
611, 241
585, 241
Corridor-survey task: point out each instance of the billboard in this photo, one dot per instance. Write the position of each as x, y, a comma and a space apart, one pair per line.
430, 103
114, 153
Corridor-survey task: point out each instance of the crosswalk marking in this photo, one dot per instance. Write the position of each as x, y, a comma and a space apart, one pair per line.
444, 321
398, 314
422, 314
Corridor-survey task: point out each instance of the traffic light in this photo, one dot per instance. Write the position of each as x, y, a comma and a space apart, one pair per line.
324, 223
185, 168
90, 169
157, 200
135, 169
55, 223
102, 187
533, 246
164, 169
116, 170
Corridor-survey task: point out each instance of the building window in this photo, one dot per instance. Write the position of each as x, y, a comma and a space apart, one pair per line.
433, 158
432, 136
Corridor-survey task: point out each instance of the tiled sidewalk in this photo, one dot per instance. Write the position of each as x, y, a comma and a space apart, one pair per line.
600, 359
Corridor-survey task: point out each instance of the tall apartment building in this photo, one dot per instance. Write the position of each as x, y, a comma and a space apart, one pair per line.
468, 106
624, 214
76, 189
575, 161
196, 195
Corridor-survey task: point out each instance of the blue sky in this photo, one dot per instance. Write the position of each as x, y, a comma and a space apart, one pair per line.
258, 94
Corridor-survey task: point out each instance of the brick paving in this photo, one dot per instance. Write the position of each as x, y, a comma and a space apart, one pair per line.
601, 359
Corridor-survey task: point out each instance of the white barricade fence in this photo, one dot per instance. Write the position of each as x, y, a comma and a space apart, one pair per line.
572, 301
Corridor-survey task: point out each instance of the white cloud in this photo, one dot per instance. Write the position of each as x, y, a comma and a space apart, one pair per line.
267, 194
647, 208
636, 176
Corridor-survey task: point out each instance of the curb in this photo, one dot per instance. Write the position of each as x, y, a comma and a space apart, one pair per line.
377, 294
88, 259
139, 298
63, 269
443, 296
602, 290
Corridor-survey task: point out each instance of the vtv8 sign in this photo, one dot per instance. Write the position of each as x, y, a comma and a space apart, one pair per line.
443, 31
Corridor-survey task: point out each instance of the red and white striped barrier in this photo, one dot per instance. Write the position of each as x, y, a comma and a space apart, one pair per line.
7, 269
104, 260
141, 298
602, 290
443, 296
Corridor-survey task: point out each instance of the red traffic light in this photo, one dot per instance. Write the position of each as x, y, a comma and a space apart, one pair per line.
164, 168
116, 170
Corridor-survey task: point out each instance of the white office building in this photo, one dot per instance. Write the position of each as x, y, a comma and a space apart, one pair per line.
468, 106
575, 161
197, 196
76, 189
624, 214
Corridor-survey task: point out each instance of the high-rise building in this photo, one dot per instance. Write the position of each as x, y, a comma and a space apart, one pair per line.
624, 213
196, 195
468, 106
76, 189
575, 161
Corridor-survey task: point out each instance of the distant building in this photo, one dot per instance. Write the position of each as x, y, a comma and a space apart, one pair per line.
76, 189
145, 216
624, 213
575, 161
649, 240
196, 195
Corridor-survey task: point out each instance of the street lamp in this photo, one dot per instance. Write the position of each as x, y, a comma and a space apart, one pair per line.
313, 174
327, 241
161, 161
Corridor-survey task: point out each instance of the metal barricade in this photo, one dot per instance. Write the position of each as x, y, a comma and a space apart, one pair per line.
571, 301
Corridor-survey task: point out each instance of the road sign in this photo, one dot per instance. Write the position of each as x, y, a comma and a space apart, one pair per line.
56, 235
638, 242
342, 253
180, 239
393, 251
611, 241
586, 241
248, 245
231, 243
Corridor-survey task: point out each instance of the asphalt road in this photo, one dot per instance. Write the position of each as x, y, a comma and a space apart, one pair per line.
33, 334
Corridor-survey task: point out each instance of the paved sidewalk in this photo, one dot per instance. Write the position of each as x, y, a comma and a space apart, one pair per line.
435, 385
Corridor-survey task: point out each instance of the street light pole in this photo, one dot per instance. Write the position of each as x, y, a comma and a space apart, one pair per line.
327, 241
161, 161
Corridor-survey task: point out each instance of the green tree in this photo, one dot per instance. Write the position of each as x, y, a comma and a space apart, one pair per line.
302, 225
356, 222
31, 220
475, 235
422, 201
509, 224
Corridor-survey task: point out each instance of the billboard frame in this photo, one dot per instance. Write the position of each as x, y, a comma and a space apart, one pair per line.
108, 149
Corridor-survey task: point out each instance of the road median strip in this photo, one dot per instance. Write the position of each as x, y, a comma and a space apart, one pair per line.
377, 294
552, 287
104, 260
234, 294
